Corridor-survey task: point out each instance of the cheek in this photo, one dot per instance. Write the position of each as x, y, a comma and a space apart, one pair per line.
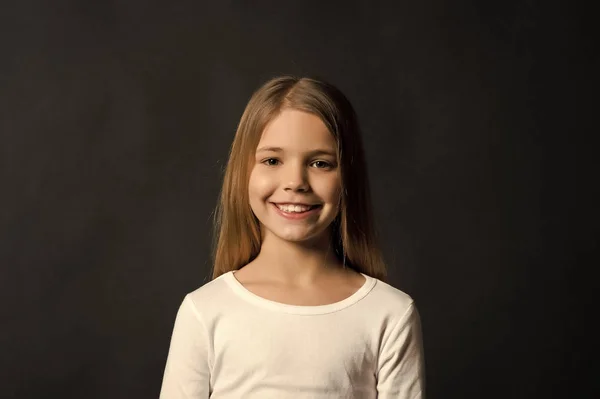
260, 185
337, 197
329, 189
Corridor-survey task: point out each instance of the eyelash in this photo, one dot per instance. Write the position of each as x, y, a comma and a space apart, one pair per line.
329, 165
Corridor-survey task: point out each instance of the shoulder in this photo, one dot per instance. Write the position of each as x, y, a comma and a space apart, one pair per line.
209, 294
393, 302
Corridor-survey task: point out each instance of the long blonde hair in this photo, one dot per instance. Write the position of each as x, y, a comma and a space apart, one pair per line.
237, 236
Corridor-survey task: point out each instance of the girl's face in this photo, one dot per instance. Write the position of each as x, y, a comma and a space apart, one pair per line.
295, 184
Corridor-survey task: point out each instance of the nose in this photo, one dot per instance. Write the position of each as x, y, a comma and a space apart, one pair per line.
295, 178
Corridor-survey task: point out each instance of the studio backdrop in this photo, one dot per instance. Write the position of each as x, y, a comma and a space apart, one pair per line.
115, 125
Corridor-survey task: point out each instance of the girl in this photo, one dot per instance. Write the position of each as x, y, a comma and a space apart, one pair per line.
298, 306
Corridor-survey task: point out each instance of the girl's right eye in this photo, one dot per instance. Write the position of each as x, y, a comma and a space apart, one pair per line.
271, 161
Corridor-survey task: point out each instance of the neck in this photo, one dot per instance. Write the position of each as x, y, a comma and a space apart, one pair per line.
294, 263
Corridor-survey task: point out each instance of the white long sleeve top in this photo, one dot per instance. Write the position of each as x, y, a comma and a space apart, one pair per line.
229, 343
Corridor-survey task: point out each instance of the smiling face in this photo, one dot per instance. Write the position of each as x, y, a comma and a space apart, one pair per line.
295, 183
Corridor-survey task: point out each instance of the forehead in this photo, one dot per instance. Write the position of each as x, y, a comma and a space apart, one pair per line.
297, 130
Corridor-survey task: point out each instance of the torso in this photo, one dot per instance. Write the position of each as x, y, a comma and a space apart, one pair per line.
330, 289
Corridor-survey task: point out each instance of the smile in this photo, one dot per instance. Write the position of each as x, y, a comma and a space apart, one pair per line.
292, 208
291, 211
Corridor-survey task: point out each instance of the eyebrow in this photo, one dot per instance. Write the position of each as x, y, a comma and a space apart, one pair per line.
279, 149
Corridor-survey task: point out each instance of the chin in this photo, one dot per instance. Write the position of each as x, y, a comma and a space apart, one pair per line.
298, 237
298, 232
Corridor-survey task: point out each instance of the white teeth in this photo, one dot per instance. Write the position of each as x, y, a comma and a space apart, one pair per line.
293, 208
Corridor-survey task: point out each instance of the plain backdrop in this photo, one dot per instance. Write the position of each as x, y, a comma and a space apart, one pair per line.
116, 119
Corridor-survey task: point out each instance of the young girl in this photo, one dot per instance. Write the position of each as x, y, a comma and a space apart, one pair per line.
298, 306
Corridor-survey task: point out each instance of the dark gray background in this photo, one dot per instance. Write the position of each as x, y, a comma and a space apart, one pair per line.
116, 118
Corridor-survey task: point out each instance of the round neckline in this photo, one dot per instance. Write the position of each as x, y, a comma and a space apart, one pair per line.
249, 296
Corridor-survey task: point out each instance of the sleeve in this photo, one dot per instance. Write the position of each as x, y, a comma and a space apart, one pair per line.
401, 364
187, 371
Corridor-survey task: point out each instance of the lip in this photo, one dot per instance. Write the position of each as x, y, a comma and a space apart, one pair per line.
294, 203
297, 216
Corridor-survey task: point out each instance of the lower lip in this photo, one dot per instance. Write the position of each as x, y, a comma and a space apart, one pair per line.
297, 215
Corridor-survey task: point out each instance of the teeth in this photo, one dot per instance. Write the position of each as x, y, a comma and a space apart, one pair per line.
293, 208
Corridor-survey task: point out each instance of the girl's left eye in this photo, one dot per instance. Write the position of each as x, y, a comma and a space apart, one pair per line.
321, 164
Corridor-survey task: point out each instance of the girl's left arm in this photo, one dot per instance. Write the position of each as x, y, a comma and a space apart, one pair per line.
401, 365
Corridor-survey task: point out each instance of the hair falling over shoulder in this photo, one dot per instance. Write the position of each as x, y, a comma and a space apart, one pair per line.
237, 236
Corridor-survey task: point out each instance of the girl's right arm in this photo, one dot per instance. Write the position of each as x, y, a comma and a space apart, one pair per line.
187, 373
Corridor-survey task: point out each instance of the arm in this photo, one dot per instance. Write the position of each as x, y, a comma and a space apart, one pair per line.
187, 373
401, 365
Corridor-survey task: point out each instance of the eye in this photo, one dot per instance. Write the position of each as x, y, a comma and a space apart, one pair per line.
322, 164
271, 161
